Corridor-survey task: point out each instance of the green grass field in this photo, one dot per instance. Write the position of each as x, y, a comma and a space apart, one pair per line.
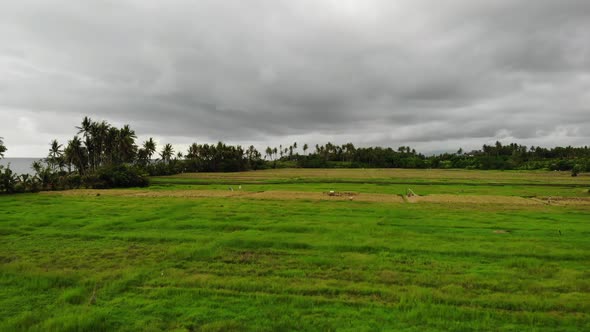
476, 251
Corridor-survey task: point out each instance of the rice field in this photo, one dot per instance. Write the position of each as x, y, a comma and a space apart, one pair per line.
301, 249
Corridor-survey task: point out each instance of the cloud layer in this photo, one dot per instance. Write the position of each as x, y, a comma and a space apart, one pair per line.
435, 75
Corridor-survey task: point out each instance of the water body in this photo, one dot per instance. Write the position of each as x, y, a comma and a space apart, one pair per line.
19, 165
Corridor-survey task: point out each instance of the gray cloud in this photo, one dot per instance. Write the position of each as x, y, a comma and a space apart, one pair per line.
432, 74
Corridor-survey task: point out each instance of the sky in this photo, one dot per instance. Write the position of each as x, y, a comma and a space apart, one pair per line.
435, 75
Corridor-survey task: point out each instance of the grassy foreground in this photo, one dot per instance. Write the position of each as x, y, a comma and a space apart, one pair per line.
189, 254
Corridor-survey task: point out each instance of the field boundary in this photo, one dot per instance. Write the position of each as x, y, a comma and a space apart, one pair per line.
325, 196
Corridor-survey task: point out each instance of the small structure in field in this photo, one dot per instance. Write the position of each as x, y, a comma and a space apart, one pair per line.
410, 193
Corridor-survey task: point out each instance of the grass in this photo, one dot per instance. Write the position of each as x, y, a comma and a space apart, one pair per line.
75, 261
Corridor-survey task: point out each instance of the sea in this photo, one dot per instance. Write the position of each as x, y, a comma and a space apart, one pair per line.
19, 165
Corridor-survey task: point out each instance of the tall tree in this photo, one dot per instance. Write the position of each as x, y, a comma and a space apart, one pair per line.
2, 148
193, 151
167, 153
150, 147
55, 157
76, 155
126, 144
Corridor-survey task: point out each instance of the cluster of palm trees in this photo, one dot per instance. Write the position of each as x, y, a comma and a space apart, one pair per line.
328, 151
221, 157
289, 152
100, 144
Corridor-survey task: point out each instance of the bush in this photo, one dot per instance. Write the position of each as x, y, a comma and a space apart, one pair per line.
74, 181
576, 170
8, 180
121, 176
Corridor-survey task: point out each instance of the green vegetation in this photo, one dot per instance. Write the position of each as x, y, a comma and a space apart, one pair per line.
211, 252
498, 156
105, 154
2, 148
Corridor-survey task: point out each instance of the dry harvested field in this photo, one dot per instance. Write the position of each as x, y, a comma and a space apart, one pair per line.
283, 250
438, 175
313, 196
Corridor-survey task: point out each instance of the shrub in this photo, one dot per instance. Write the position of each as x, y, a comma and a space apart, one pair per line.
121, 176
576, 170
74, 181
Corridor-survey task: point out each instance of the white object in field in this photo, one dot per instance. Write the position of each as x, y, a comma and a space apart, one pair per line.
240, 187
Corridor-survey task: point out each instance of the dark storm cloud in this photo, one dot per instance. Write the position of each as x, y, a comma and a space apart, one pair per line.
437, 75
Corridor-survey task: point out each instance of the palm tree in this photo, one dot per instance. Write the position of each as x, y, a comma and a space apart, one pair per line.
76, 154
127, 148
268, 152
305, 147
55, 155
149, 147
167, 153
88, 131
2, 148
193, 151
102, 135
37, 166
85, 127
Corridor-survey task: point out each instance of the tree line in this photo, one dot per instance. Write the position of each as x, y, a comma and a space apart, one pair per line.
491, 157
100, 155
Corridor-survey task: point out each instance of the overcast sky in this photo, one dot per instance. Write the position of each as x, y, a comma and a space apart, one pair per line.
436, 75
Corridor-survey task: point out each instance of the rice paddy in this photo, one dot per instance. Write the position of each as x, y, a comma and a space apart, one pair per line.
330, 250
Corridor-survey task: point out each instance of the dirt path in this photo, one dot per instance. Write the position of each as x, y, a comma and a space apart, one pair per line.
319, 196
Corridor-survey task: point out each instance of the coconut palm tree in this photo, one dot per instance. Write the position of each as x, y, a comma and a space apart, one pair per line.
150, 147
193, 151
305, 147
126, 144
85, 127
2, 148
75, 154
166, 153
55, 157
